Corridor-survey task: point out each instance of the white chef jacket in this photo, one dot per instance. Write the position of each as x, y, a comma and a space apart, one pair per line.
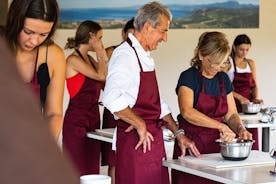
123, 79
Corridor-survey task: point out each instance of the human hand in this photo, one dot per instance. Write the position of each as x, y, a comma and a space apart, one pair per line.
244, 100
244, 134
258, 101
97, 44
185, 143
226, 134
145, 139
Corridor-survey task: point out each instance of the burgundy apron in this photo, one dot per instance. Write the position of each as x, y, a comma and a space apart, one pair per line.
108, 155
134, 166
82, 116
214, 107
243, 84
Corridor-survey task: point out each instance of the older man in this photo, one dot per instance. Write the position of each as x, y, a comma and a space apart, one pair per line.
131, 94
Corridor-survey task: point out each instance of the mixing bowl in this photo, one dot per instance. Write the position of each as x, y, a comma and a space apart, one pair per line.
251, 108
236, 150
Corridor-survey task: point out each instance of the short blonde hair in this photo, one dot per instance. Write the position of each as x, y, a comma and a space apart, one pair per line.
214, 44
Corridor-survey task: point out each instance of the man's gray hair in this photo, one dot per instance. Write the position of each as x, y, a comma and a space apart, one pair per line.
151, 12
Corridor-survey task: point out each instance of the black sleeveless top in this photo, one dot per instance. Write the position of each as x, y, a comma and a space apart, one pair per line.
41, 79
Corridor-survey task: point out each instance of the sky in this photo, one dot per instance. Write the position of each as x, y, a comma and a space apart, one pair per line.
65, 4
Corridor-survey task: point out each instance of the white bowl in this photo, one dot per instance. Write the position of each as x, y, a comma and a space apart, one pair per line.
95, 179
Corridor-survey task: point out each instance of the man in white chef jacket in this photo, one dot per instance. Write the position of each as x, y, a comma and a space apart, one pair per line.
131, 94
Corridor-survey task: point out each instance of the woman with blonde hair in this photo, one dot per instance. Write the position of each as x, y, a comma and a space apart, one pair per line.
206, 103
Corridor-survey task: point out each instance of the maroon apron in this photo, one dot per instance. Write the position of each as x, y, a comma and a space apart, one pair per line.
82, 116
134, 166
243, 84
108, 155
214, 107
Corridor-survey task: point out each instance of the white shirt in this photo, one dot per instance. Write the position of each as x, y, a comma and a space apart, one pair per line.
231, 71
123, 79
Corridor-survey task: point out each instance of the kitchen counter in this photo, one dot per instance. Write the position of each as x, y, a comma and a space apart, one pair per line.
253, 121
106, 135
234, 175
259, 173
99, 136
250, 121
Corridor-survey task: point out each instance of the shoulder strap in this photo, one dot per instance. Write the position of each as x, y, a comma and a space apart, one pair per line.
79, 53
130, 43
46, 53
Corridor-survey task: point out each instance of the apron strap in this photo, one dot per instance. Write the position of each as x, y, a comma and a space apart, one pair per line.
130, 44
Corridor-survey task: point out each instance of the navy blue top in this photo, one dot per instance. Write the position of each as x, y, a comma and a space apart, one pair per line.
191, 79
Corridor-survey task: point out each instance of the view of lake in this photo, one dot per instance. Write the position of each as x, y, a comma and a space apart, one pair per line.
226, 14
107, 14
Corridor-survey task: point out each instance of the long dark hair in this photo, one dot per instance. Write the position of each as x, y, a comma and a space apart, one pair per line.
82, 34
46, 10
240, 39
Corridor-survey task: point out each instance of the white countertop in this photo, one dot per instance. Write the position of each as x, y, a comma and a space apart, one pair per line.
99, 136
238, 174
106, 135
253, 121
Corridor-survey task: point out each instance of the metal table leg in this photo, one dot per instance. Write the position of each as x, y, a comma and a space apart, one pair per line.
265, 139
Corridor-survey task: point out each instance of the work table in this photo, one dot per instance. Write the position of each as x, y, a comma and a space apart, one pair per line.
232, 175
253, 121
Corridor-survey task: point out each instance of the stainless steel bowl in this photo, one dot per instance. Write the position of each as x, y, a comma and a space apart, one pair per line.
236, 150
251, 108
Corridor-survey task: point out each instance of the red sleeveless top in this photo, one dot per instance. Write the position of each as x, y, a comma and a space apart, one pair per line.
74, 84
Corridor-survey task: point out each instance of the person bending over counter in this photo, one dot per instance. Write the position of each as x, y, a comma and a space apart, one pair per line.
242, 73
41, 63
206, 101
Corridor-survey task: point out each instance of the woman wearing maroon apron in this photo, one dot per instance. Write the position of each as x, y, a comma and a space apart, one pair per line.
242, 72
207, 108
131, 93
84, 83
40, 62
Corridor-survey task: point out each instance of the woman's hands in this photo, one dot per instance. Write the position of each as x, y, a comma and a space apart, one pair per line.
97, 43
243, 100
226, 134
258, 101
243, 133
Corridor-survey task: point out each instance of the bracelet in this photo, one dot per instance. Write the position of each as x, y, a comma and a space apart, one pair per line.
178, 132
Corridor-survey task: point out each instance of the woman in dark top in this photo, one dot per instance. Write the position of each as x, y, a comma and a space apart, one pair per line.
40, 62
207, 107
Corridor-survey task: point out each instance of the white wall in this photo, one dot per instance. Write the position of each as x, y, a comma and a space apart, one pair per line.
173, 57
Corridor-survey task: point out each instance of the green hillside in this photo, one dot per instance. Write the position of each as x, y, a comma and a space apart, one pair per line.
219, 18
